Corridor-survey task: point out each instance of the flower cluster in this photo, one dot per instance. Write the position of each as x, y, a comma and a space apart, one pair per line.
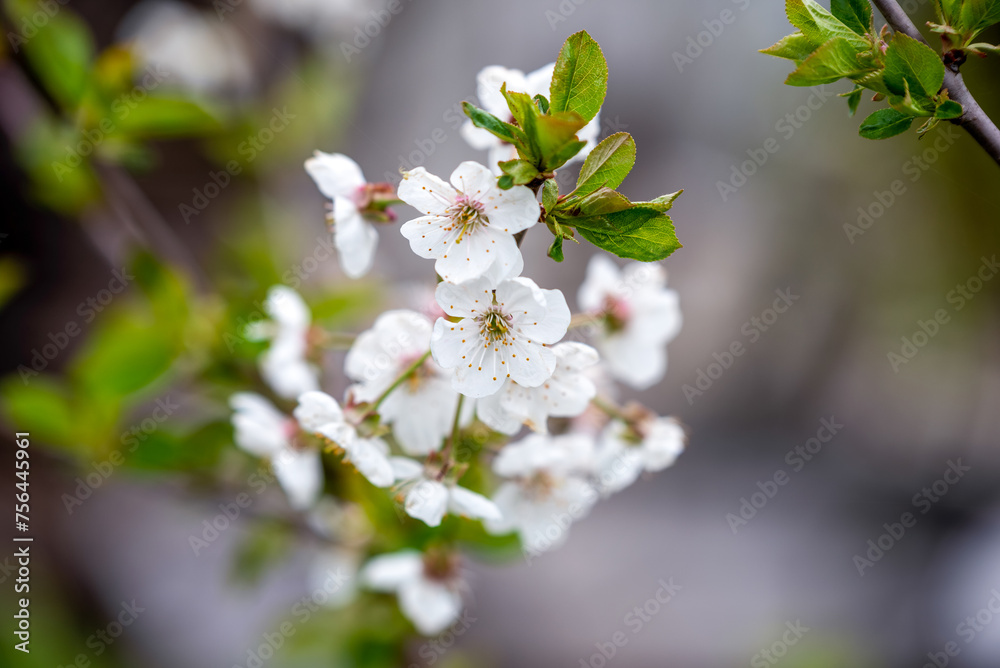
430, 401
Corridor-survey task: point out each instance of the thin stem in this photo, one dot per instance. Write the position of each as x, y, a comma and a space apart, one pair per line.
973, 119
396, 383
610, 409
449, 447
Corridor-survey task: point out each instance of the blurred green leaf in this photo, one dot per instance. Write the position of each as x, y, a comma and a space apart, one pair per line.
155, 117
60, 53
795, 47
41, 406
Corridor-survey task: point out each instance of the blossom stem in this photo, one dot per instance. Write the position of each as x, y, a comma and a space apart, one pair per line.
582, 320
409, 371
609, 408
449, 447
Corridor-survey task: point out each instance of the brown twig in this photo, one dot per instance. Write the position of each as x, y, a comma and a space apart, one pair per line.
973, 119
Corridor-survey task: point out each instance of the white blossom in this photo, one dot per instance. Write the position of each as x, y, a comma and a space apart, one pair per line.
429, 499
264, 431
635, 315
469, 225
428, 598
566, 393
333, 576
547, 490
503, 331
187, 47
340, 178
319, 414
421, 410
488, 83
624, 452
284, 365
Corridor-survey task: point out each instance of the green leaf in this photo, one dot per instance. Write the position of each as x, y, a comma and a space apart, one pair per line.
550, 195
556, 138
854, 100
640, 233
60, 53
165, 117
978, 15
911, 63
599, 202
580, 77
908, 105
556, 249
542, 103
795, 47
608, 164
521, 172
505, 182
885, 123
836, 59
41, 407
948, 110
819, 25
503, 131
663, 203
856, 14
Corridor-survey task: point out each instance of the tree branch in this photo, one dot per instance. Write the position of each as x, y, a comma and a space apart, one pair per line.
973, 119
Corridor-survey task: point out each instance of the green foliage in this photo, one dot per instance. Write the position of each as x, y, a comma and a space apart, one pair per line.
843, 44
580, 78
885, 123
544, 132
961, 21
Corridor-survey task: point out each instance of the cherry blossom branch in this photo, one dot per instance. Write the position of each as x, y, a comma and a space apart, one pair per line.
973, 119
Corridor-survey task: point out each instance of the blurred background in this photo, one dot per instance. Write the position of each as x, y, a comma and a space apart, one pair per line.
165, 140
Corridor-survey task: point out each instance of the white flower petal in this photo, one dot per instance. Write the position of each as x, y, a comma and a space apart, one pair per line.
490, 80
335, 174
287, 307
355, 238
553, 326
317, 409
425, 192
464, 300
603, 279
388, 572
528, 364
427, 501
404, 468
454, 344
539, 81
300, 473
483, 374
467, 503
636, 364
368, 455
431, 606
493, 412
511, 210
664, 442
259, 427
335, 572
475, 181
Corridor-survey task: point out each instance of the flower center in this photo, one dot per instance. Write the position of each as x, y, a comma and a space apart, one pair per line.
468, 213
494, 324
615, 314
